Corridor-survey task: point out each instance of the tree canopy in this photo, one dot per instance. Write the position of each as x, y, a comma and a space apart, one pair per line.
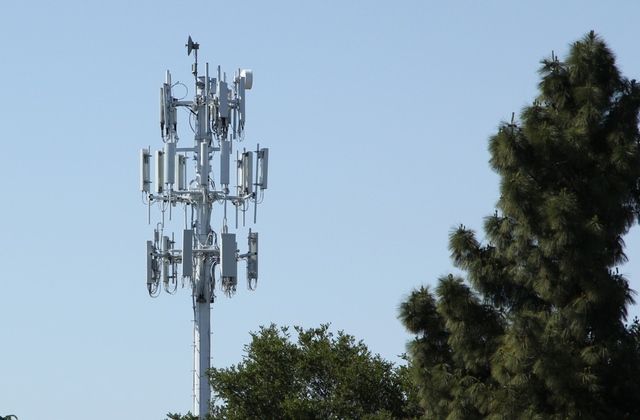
537, 330
320, 375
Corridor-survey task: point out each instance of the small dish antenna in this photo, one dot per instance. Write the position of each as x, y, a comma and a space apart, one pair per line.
191, 46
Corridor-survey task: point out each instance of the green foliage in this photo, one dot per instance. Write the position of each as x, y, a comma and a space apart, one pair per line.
176, 416
188, 416
539, 331
319, 376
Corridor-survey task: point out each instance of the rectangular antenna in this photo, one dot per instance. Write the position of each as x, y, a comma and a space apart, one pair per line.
225, 156
145, 170
246, 173
169, 162
165, 271
181, 172
166, 244
223, 99
228, 261
263, 162
252, 258
187, 253
165, 260
162, 110
204, 163
149, 262
241, 95
159, 171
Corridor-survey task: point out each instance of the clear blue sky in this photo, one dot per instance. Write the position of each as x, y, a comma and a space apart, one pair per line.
377, 115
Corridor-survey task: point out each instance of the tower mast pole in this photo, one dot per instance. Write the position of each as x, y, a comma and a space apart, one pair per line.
203, 287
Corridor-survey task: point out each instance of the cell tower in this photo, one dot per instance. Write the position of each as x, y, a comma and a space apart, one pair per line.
217, 118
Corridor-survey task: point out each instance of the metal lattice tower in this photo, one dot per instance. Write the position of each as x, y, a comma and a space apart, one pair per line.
217, 118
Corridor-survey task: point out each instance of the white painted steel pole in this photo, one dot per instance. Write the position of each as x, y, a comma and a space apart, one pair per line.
202, 359
202, 287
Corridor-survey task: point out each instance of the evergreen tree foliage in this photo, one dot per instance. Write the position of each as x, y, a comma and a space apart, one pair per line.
539, 331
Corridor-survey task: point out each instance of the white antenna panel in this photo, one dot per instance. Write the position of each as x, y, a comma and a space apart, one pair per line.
223, 99
225, 155
167, 114
204, 163
246, 173
187, 253
252, 258
181, 172
150, 274
159, 171
162, 110
145, 170
241, 100
169, 163
165, 260
165, 272
165, 244
228, 261
263, 161
247, 75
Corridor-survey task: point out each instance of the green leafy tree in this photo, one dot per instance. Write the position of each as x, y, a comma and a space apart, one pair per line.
188, 416
319, 376
539, 332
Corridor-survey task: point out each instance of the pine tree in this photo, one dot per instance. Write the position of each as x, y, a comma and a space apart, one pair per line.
539, 330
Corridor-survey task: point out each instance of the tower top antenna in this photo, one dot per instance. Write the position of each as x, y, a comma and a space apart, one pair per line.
192, 46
